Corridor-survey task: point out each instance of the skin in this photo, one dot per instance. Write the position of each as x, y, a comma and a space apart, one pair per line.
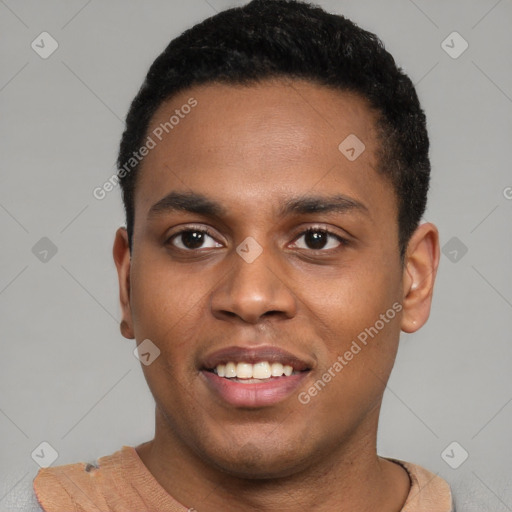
251, 148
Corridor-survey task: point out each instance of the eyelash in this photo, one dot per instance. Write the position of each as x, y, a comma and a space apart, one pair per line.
190, 229
343, 241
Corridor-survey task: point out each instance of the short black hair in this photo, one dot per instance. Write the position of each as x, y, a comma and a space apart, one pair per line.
268, 39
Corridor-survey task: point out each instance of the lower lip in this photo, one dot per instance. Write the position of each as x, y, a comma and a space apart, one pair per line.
258, 394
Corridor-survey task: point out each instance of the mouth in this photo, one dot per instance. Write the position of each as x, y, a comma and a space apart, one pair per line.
249, 373
254, 377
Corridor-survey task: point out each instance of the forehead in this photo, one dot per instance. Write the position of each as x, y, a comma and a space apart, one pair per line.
264, 140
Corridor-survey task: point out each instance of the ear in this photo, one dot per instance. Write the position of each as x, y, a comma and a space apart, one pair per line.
122, 259
420, 269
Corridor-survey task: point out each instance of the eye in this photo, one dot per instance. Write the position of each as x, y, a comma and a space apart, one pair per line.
193, 238
319, 239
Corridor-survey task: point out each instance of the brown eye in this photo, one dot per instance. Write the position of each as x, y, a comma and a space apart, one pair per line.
191, 239
319, 239
316, 239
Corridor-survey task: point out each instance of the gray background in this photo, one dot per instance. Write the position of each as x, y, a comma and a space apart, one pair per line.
69, 378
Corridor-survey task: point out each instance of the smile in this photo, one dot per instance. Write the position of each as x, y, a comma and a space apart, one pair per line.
255, 377
243, 372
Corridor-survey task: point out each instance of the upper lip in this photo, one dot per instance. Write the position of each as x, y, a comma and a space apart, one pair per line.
272, 354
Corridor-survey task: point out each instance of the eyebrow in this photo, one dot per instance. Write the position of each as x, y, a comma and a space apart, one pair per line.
188, 202
198, 203
322, 204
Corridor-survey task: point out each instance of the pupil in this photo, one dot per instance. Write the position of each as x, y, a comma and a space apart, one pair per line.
192, 239
316, 239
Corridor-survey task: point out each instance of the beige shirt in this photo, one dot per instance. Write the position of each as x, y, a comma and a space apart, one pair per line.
122, 483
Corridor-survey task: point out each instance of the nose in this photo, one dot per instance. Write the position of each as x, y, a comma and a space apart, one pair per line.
253, 291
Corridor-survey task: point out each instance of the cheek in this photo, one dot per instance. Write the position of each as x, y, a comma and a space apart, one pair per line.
164, 300
347, 304
165, 307
358, 318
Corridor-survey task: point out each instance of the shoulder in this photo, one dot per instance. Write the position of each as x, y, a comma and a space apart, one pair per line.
52, 486
429, 492
66, 487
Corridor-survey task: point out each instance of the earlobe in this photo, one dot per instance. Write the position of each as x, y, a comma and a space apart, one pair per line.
420, 269
126, 330
121, 254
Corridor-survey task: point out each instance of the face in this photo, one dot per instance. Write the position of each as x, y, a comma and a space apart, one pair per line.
262, 249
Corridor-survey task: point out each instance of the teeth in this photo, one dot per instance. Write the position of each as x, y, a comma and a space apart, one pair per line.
277, 369
244, 370
262, 370
221, 370
230, 370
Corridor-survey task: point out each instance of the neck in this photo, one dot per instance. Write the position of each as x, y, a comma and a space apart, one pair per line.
351, 478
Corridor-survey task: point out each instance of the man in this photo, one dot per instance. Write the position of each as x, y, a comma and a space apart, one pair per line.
274, 170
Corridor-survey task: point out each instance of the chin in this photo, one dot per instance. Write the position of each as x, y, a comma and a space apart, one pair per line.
260, 461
